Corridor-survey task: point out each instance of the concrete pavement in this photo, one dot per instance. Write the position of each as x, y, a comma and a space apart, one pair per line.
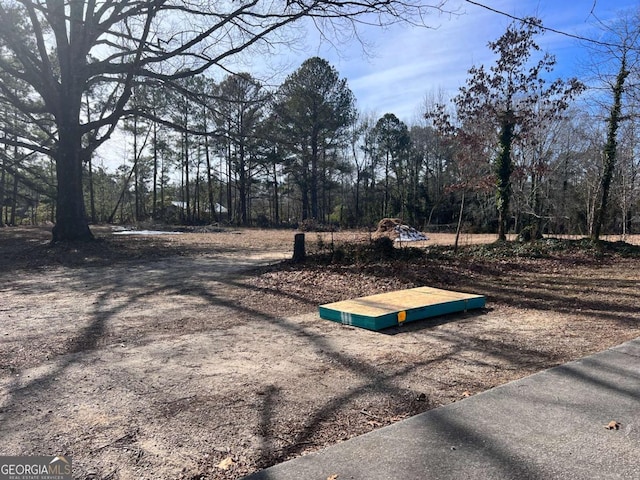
550, 425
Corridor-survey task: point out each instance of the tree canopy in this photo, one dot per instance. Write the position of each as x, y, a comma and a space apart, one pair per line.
313, 110
513, 96
62, 51
204, 143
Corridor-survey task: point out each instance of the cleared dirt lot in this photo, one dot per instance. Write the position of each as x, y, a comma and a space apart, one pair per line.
174, 357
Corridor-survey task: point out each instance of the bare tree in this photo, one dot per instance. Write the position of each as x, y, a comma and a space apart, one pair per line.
615, 62
65, 48
508, 95
239, 110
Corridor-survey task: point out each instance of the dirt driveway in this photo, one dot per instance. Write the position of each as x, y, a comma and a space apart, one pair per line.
171, 357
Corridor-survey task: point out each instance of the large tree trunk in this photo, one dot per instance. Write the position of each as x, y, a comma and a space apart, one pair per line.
187, 187
276, 201
14, 197
242, 184
504, 168
305, 204
314, 183
154, 204
71, 219
136, 172
213, 214
610, 151
3, 176
385, 206
92, 196
230, 208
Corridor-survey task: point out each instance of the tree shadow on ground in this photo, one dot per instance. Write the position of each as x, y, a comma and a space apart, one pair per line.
372, 378
537, 284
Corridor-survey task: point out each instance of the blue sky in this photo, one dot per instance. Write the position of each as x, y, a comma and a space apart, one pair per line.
405, 64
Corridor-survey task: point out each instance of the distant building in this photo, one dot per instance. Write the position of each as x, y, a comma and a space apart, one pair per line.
183, 205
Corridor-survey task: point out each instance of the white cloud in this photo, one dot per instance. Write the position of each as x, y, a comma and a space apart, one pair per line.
407, 62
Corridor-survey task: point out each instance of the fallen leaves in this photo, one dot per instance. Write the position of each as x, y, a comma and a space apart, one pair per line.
333, 477
613, 425
226, 464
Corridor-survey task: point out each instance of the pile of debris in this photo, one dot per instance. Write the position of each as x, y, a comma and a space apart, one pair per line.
397, 231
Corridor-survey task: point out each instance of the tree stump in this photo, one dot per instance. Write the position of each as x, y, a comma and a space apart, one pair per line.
299, 253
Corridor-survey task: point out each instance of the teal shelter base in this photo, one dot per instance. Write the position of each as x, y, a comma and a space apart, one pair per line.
376, 312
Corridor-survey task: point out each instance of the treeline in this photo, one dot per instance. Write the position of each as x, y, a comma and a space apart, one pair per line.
514, 150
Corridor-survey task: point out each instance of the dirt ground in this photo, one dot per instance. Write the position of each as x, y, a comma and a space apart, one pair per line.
175, 357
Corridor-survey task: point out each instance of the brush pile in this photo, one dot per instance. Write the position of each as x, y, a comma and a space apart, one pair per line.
397, 231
